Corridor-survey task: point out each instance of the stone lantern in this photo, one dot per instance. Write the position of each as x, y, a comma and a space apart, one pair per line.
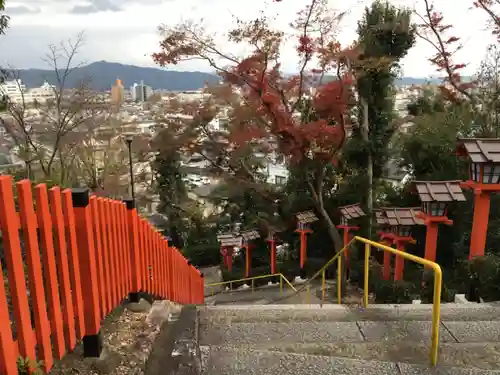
304, 221
348, 214
435, 197
228, 241
247, 236
272, 240
484, 179
386, 238
402, 220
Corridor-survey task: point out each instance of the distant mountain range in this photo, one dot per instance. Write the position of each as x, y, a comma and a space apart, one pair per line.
103, 75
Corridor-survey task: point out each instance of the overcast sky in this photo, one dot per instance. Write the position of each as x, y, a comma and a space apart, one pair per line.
125, 31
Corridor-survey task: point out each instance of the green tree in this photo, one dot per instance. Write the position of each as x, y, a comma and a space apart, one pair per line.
170, 185
385, 36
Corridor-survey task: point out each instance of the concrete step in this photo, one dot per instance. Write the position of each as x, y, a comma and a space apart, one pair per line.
478, 355
234, 361
328, 332
332, 312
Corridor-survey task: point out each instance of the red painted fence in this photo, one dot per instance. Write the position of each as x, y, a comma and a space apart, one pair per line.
71, 259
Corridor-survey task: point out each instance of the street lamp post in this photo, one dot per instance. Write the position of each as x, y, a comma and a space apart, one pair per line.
128, 139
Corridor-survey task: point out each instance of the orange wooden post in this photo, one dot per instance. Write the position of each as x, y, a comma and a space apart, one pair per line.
133, 250
165, 266
431, 237
8, 357
35, 275
111, 253
248, 259
124, 248
74, 262
92, 340
202, 288
106, 254
272, 247
303, 248
156, 264
480, 223
94, 208
147, 232
387, 239
113, 232
399, 263
182, 274
181, 282
189, 272
171, 273
175, 273
159, 252
128, 253
17, 285
61, 253
120, 290
49, 260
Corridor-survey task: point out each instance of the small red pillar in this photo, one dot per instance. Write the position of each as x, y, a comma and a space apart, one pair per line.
431, 236
303, 245
347, 238
399, 265
480, 223
248, 259
229, 258
387, 239
272, 248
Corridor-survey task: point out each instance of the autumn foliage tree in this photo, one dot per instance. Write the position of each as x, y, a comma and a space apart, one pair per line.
261, 103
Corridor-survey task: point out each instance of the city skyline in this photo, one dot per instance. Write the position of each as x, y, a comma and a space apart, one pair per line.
126, 31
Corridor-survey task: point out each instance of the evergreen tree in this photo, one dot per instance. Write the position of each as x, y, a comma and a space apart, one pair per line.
170, 186
385, 36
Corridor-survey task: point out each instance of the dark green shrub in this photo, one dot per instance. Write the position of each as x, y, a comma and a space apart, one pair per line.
394, 291
427, 289
203, 254
485, 272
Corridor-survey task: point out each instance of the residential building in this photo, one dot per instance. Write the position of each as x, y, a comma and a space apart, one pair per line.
17, 92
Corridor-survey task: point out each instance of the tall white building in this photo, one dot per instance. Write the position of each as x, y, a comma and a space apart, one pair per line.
140, 92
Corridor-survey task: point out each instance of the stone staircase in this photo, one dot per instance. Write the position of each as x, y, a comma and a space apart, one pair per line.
338, 340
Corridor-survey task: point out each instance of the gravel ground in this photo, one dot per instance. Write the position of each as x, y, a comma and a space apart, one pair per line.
128, 340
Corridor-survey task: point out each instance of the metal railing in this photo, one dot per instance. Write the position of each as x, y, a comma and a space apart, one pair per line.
252, 279
438, 280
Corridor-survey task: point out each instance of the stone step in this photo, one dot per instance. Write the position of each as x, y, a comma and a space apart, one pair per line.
332, 312
233, 361
478, 355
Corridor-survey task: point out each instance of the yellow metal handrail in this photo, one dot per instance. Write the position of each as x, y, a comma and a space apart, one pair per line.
252, 279
438, 280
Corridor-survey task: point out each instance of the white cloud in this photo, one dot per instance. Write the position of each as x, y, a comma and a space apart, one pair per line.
130, 35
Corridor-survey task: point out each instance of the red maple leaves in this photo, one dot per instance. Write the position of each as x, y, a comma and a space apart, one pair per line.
263, 90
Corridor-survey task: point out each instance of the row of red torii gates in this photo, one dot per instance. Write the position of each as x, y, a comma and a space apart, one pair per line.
395, 223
